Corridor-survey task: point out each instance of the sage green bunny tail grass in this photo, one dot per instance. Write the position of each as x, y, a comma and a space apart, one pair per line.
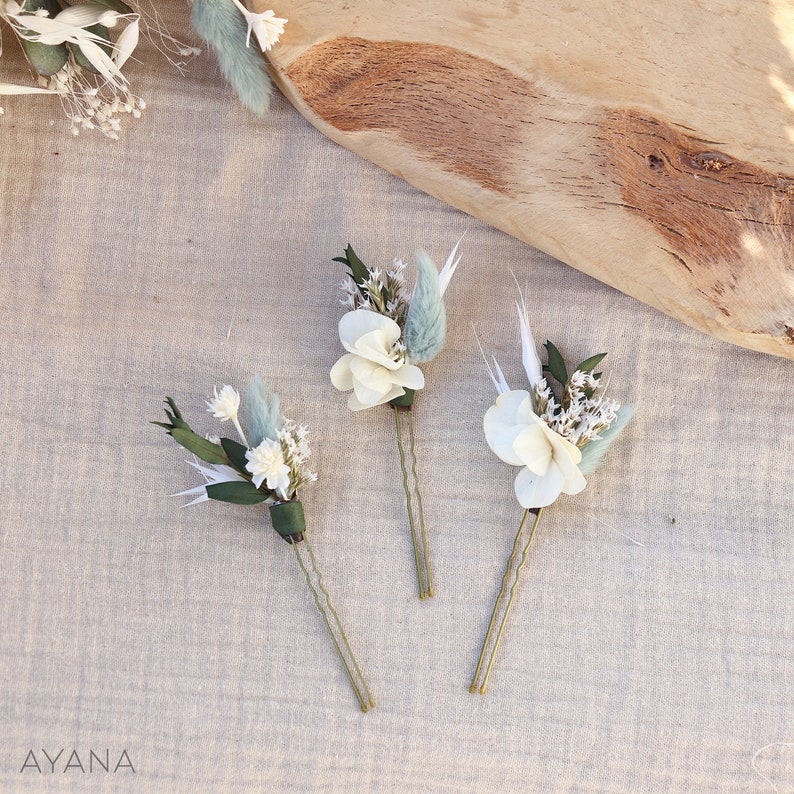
263, 417
222, 26
426, 323
593, 452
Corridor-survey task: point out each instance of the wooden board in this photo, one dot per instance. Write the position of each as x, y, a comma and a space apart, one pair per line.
647, 143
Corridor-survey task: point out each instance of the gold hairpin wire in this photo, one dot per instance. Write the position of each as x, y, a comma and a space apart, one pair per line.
475, 686
420, 544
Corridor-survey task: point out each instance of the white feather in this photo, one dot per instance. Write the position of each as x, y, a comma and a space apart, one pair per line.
445, 276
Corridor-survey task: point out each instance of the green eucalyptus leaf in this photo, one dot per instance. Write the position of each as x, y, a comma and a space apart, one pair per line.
172, 405
199, 446
46, 59
556, 365
237, 492
178, 422
174, 416
115, 5
589, 364
236, 454
288, 518
357, 268
79, 55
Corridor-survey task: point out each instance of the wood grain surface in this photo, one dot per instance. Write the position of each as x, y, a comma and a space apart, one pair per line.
648, 144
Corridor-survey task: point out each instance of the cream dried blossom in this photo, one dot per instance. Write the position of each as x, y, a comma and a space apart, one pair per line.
266, 464
225, 405
375, 366
548, 461
267, 27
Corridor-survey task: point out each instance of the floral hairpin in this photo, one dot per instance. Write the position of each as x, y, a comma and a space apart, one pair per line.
268, 467
387, 332
554, 441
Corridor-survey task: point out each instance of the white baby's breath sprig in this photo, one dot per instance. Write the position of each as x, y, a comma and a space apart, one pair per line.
271, 473
294, 441
387, 332
554, 441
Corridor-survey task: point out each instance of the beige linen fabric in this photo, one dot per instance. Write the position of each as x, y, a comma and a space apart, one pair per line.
650, 647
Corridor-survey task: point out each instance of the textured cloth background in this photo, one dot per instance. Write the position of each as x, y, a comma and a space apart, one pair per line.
650, 648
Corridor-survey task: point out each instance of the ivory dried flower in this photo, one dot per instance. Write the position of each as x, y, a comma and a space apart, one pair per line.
375, 366
224, 405
267, 27
266, 464
519, 437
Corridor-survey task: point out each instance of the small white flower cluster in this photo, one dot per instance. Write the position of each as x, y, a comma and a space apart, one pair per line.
277, 461
294, 440
280, 462
583, 414
89, 107
384, 292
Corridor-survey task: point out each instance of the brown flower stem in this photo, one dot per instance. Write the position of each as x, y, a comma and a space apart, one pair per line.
476, 686
334, 626
418, 537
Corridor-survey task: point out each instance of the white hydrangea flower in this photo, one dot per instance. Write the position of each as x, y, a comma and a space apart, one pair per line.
521, 438
375, 366
266, 464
